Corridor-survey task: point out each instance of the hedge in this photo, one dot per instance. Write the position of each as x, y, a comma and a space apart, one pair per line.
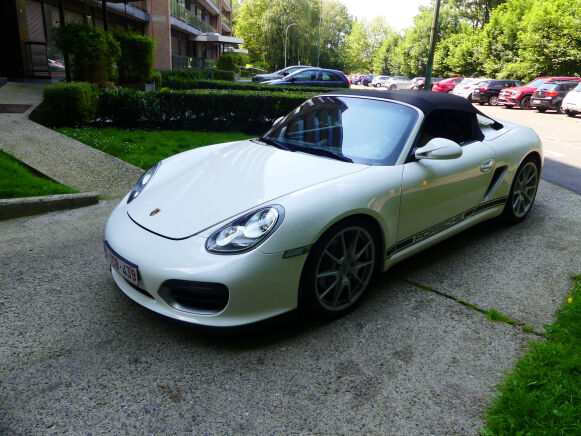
177, 82
198, 74
67, 104
136, 60
247, 111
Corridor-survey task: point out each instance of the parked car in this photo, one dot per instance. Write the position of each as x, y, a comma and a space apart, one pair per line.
380, 81
357, 79
467, 91
313, 77
422, 81
262, 230
521, 95
572, 102
55, 65
464, 83
446, 85
367, 79
278, 74
487, 91
398, 82
550, 95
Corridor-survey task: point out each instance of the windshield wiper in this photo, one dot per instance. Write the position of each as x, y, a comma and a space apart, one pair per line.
326, 153
275, 143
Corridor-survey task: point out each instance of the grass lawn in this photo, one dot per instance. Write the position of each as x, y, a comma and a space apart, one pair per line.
543, 395
143, 148
16, 181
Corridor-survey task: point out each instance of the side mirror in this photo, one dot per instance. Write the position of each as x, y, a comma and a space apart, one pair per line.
440, 149
285, 73
278, 120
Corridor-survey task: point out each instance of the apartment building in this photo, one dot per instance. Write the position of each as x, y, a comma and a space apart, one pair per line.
188, 33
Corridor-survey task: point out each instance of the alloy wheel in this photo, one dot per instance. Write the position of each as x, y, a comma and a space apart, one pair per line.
525, 189
493, 101
344, 269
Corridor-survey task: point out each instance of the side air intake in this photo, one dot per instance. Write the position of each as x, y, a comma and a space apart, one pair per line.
496, 179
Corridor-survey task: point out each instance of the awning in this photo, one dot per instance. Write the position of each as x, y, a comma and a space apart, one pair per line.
214, 37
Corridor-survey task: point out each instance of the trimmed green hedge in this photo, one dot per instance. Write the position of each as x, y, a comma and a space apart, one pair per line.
197, 74
136, 60
67, 104
176, 82
247, 111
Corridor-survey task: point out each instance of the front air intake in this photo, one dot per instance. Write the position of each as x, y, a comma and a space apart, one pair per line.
194, 297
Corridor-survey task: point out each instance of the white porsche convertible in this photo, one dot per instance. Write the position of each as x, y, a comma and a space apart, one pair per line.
341, 188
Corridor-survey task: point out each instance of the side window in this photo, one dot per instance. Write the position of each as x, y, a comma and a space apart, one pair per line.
569, 86
329, 77
457, 80
458, 126
305, 76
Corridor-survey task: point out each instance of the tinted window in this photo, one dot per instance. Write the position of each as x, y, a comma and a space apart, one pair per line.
536, 83
330, 77
457, 126
367, 131
549, 87
305, 76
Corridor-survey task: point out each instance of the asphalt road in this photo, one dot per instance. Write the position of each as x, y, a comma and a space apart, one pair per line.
561, 136
78, 357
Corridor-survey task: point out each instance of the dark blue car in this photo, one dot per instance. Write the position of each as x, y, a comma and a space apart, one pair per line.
313, 77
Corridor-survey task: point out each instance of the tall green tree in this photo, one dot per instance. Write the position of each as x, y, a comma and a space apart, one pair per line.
363, 43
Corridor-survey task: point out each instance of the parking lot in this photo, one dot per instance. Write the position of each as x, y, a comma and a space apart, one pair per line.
77, 356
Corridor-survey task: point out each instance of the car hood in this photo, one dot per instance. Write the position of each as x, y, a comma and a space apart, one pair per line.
200, 188
520, 89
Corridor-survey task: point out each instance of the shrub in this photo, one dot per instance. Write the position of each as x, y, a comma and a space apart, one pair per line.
92, 52
262, 65
67, 104
155, 77
224, 75
230, 62
180, 82
197, 74
248, 111
136, 60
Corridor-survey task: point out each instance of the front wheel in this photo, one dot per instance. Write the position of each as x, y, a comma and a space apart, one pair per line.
522, 192
560, 109
493, 101
393, 87
338, 270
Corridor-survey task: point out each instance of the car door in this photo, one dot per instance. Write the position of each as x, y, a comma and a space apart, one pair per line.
305, 78
436, 194
329, 79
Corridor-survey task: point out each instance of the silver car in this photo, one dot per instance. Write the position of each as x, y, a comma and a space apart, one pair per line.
399, 82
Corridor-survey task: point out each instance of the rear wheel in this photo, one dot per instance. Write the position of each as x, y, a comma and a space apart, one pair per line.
393, 87
338, 270
541, 109
525, 102
571, 113
493, 101
522, 192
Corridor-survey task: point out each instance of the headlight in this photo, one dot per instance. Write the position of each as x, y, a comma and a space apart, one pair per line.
246, 232
143, 180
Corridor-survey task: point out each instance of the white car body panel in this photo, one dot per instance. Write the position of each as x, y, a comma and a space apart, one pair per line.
415, 204
572, 101
467, 90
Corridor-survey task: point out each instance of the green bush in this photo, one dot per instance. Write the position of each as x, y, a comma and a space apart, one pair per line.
155, 77
248, 111
181, 82
197, 74
136, 60
92, 52
224, 75
67, 104
230, 62
262, 65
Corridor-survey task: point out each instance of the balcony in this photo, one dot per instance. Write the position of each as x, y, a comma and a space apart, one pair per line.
227, 5
179, 11
227, 22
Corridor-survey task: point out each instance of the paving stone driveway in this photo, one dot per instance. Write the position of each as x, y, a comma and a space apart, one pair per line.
77, 356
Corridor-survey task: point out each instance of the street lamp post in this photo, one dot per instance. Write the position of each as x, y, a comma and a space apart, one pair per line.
285, 40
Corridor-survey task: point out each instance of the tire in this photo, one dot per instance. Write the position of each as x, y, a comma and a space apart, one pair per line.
378, 85
541, 109
559, 109
392, 87
337, 273
493, 101
525, 102
571, 114
522, 192
508, 106
481, 103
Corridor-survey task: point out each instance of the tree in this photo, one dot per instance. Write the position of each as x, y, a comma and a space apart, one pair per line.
363, 43
386, 60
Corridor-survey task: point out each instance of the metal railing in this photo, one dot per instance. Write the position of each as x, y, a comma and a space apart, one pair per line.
229, 3
214, 2
180, 11
191, 63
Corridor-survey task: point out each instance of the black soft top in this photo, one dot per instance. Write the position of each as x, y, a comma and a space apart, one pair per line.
426, 101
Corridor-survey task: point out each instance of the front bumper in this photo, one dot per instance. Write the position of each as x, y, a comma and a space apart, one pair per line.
508, 100
260, 285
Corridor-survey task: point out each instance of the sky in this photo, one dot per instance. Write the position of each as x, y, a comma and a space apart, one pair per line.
398, 13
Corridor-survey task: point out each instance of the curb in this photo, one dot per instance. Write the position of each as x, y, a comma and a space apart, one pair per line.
17, 207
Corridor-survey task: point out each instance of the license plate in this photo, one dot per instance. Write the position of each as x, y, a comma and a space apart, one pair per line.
127, 269
536, 101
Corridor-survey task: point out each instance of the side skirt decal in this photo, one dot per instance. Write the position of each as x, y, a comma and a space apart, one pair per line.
440, 227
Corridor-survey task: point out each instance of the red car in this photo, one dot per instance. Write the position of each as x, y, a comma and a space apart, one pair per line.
447, 85
521, 95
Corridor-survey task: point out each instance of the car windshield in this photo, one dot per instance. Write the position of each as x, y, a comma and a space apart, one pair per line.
536, 83
361, 130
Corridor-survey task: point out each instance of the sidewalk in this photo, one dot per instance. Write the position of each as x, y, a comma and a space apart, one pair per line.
59, 157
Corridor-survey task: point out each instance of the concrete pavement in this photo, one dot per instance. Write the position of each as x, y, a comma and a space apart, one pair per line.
77, 356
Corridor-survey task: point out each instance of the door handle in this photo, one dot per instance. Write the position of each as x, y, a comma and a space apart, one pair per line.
487, 165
